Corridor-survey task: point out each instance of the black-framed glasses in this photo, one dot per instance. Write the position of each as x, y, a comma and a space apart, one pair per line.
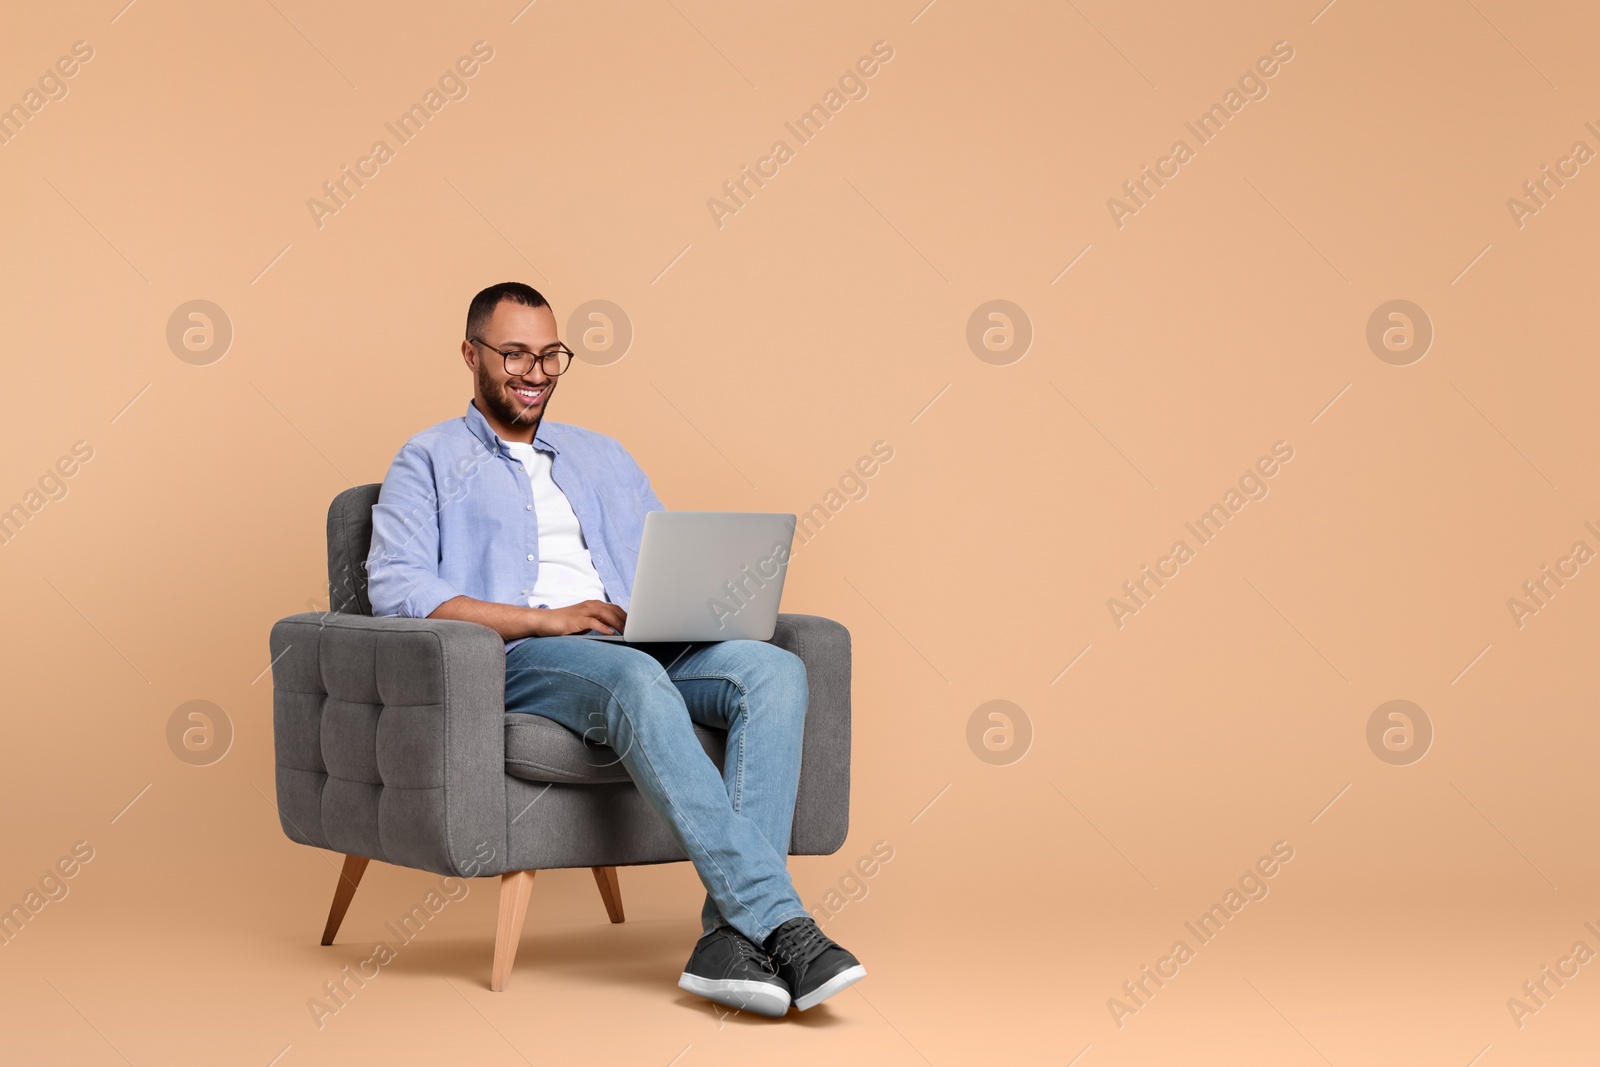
520, 361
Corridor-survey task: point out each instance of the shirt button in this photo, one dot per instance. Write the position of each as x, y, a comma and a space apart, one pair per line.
530, 507
530, 559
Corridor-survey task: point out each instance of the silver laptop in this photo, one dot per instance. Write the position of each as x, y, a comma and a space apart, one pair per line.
707, 576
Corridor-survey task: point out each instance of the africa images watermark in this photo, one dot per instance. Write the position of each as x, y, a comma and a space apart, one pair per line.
744, 587
1252, 886
452, 85
852, 86
1537, 994
999, 732
52, 88
340, 990
853, 485
1537, 592
1541, 190
52, 888
853, 887
1140, 190
1252, 485
53, 485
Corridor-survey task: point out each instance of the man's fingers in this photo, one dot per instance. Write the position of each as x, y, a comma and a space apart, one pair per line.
613, 615
604, 625
593, 615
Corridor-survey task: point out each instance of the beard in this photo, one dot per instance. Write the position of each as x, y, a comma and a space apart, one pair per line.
505, 405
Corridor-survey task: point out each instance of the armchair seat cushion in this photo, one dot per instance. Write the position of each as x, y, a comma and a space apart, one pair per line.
543, 750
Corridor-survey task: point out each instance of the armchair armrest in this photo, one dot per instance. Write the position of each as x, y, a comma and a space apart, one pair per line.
822, 805
390, 739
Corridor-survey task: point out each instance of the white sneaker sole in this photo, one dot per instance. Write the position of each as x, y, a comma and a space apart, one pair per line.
843, 980
759, 997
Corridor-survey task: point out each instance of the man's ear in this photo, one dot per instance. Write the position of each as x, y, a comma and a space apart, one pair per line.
469, 353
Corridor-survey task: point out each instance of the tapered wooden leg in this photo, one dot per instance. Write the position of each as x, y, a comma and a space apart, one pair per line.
349, 878
515, 887
610, 891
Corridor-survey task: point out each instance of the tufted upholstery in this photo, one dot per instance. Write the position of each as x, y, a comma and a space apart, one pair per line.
393, 742
383, 729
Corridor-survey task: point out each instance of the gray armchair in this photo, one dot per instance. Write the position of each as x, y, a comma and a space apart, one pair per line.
393, 744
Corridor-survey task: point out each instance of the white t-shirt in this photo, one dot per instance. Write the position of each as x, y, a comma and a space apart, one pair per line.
566, 573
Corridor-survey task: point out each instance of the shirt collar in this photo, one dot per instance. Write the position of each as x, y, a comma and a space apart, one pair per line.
543, 437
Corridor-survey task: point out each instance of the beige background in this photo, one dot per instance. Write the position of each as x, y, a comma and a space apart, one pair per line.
831, 312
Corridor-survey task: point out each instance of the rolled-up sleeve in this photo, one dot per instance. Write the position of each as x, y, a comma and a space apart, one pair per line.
403, 562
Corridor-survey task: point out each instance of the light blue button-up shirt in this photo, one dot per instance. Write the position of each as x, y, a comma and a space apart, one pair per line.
456, 517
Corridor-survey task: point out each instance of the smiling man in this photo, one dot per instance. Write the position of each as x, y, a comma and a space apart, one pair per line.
532, 528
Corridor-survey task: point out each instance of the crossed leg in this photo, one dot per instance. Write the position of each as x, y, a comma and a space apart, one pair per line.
641, 702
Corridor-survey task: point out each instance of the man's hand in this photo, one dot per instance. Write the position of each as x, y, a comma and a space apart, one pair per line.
512, 622
586, 615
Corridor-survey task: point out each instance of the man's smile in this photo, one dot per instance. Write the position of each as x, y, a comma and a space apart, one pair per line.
529, 394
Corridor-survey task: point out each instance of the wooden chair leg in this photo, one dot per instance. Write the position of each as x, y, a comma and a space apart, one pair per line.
349, 878
515, 887
610, 891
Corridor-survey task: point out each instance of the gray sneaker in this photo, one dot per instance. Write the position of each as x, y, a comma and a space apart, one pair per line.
729, 968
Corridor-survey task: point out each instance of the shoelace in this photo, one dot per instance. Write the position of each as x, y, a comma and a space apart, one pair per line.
751, 951
799, 945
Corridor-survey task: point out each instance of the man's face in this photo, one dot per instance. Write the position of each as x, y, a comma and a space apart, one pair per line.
512, 404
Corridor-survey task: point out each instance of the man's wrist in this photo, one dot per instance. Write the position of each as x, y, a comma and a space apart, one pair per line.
530, 622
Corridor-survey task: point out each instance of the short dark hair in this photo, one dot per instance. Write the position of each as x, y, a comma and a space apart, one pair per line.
481, 310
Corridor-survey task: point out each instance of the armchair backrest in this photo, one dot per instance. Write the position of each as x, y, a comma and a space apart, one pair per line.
349, 538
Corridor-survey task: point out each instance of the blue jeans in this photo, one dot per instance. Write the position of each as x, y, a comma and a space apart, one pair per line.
640, 700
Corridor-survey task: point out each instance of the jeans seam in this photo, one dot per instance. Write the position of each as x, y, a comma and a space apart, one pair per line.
738, 772
744, 709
